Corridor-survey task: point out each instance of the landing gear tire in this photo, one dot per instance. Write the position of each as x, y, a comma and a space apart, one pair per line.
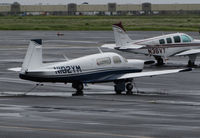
79, 87
78, 93
119, 87
160, 61
191, 64
118, 92
129, 88
191, 61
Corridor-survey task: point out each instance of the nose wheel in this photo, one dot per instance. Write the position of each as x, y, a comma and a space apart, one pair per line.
129, 88
79, 88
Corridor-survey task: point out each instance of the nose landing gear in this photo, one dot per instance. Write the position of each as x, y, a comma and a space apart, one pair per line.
129, 88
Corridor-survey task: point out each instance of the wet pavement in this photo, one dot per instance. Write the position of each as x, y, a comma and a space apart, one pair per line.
162, 106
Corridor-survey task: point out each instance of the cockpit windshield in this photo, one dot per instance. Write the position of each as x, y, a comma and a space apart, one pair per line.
117, 60
186, 38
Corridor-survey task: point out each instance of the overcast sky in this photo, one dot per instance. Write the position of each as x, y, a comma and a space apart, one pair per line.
54, 2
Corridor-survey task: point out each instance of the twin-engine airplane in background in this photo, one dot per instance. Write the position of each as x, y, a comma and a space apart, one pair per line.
161, 47
95, 68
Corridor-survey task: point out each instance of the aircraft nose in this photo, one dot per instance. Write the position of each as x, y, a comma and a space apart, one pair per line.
139, 64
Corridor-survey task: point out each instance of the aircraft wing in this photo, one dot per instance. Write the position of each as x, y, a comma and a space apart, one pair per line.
127, 47
148, 74
189, 52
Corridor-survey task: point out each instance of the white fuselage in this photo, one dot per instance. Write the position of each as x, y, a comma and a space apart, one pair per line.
92, 68
166, 45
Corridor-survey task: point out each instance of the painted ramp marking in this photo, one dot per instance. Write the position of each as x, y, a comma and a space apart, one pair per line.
71, 131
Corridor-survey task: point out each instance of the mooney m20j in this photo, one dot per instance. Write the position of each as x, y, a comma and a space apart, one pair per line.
161, 47
95, 68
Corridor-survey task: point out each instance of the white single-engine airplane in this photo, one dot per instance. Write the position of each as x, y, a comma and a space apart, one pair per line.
95, 68
161, 47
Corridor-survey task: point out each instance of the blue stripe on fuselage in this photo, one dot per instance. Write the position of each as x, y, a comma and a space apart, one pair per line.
90, 77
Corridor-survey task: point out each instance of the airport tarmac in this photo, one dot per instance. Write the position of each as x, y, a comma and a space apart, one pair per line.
162, 106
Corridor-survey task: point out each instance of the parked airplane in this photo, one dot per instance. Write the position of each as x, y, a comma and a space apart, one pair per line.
161, 47
95, 68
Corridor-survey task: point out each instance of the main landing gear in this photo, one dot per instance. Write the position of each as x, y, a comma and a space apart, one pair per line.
159, 60
79, 88
122, 85
191, 62
119, 87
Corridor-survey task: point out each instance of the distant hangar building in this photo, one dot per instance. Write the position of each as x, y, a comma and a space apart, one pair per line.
107, 9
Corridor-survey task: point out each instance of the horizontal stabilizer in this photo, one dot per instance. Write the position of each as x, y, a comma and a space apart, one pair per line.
189, 52
131, 47
127, 47
110, 46
17, 69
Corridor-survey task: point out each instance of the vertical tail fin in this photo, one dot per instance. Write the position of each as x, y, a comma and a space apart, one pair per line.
121, 37
33, 58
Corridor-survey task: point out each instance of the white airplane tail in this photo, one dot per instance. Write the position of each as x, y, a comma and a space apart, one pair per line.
122, 40
121, 37
33, 58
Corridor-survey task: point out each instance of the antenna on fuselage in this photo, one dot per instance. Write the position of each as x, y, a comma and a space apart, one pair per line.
66, 58
100, 50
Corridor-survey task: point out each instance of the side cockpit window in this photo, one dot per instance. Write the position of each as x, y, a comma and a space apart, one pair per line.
162, 41
185, 38
116, 59
169, 40
177, 39
103, 61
